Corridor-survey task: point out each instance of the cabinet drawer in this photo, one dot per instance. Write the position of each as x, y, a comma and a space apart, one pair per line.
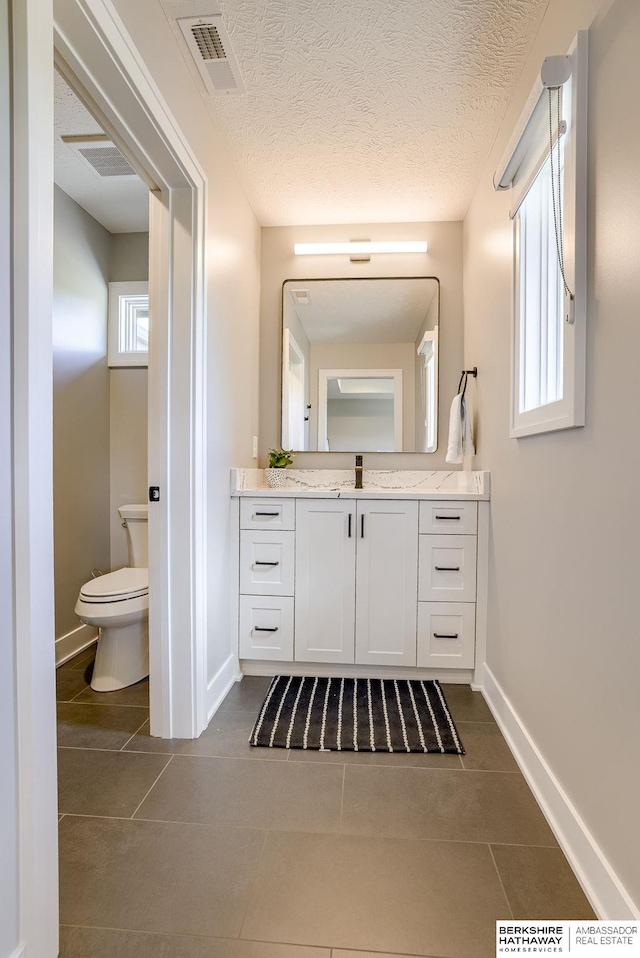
266, 563
266, 627
449, 518
446, 635
274, 514
447, 569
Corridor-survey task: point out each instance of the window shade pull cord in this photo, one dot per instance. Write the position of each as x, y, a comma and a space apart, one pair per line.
557, 204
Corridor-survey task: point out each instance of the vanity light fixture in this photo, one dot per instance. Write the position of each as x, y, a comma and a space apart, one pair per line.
360, 248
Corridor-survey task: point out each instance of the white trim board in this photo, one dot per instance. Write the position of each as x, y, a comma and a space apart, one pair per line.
224, 679
600, 883
349, 670
74, 642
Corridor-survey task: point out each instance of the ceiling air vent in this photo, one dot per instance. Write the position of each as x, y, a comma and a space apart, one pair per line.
100, 154
210, 47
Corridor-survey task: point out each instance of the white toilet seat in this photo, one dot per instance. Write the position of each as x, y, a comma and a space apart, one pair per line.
119, 586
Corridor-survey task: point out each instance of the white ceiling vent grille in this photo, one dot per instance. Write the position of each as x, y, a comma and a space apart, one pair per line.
101, 155
210, 47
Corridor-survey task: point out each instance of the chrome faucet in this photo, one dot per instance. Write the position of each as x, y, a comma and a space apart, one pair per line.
358, 472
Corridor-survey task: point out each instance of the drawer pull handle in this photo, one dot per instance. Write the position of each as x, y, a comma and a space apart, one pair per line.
447, 568
258, 629
450, 518
362, 526
266, 563
350, 521
272, 514
444, 635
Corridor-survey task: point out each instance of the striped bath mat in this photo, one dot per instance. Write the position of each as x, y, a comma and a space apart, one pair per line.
359, 715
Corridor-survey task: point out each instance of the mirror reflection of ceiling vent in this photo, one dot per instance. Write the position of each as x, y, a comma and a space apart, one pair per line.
210, 47
301, 297
100, 154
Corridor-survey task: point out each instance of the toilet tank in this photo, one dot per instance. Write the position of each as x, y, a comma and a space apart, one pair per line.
134, 518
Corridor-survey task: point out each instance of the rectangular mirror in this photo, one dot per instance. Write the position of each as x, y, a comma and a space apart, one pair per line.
360, 364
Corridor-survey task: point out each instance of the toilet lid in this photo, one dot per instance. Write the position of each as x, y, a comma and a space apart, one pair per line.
123, 584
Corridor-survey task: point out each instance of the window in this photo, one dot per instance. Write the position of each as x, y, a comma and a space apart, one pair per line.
129, 324
546, 173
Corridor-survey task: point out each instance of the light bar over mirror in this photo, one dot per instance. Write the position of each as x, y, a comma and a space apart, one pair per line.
359, 248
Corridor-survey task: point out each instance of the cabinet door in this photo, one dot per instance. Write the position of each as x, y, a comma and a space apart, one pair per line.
266, 563
447, 568
446, 635
387, 583
325, 580
266, 627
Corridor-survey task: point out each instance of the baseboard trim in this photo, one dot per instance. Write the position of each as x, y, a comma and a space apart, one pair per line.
73, 642
222, 681
324, 669
601, 885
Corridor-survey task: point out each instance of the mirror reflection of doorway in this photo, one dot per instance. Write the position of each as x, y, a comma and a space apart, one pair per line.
360, 409
294, 405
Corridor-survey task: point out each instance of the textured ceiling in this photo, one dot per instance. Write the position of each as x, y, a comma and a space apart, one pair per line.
362, 311
120, 204
363, 111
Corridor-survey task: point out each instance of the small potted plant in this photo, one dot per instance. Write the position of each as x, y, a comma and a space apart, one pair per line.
279, 459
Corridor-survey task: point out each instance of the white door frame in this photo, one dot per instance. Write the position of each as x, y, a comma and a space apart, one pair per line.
289, 345
324, 375
100, 59
95, 53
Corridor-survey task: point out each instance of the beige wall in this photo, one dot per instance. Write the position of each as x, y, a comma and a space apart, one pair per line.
128, 403
565, 563
444, 260
80, 404
233, 263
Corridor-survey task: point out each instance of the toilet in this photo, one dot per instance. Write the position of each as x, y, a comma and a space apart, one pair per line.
118, 604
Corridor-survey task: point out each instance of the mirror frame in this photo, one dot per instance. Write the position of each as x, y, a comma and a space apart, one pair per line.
349, 279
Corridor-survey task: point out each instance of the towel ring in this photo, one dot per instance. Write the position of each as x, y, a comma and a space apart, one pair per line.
465, 375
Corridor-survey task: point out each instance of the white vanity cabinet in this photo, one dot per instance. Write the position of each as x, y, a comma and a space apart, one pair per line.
325, 580
356, 581
386, 582
447, 585
381, 584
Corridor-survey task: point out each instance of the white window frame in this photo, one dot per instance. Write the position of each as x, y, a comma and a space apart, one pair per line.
116, 356
568, 411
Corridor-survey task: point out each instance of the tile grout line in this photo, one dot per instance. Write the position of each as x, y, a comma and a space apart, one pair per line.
253, 885
504, 890
134, 735
153, 786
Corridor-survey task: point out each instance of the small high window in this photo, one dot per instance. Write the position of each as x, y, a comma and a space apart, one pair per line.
128, 324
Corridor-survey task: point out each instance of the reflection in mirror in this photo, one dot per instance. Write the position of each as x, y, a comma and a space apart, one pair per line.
360, 365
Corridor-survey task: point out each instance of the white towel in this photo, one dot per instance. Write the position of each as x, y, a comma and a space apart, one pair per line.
460, 432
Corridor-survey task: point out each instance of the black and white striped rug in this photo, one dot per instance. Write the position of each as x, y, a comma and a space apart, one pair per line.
360, 715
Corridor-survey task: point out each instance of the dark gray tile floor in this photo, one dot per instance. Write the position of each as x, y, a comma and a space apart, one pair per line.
214, 849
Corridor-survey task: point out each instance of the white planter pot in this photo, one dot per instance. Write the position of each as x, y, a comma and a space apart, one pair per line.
275, 478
